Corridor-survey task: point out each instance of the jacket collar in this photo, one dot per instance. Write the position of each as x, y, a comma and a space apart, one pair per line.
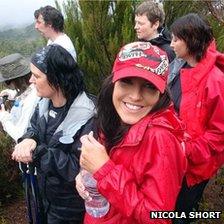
81, 110
166, 119
174, 68
194, 75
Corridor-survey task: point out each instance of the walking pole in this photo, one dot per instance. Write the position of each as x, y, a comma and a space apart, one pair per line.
34, 208
26, 178
35, 194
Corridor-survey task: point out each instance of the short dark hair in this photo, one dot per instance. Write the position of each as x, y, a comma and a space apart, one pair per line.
153, 11
108, 120
63, 72
195, 31
52, 17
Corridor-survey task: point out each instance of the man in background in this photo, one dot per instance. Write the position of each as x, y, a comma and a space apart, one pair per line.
50, 23
149, 26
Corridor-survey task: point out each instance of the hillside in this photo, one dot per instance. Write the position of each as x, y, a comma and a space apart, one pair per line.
22, 40
28, 32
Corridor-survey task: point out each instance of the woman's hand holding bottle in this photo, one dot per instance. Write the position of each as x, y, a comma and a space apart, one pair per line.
93, 154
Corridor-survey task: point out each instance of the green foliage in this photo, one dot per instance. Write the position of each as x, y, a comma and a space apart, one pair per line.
3, 221
176, 9
24, 48
98, 29
10, 186
218, 32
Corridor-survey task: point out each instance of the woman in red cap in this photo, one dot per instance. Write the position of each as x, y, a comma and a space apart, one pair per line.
138, 160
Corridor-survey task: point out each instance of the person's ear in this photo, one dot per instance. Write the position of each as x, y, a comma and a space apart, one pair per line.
156, 25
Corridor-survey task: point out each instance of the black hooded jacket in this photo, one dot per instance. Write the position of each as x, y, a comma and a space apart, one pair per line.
57, 160
163, 41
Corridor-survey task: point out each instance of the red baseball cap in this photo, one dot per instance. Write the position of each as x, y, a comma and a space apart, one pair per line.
144, 60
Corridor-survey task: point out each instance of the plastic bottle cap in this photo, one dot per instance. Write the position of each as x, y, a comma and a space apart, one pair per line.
16, 103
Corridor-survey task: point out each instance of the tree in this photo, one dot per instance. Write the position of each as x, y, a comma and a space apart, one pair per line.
210, 9
99, 29
216, 17
217, 9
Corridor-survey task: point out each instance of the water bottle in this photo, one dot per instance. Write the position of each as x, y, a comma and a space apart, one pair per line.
97, 206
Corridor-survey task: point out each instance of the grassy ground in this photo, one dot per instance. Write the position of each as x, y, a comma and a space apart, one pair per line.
213, 200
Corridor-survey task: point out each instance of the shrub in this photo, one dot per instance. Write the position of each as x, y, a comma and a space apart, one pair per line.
10, 186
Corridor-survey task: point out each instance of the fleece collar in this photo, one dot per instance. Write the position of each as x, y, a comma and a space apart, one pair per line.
81, 110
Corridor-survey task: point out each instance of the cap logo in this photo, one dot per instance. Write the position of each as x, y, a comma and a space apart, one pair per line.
134, 50
159, 70
126, 55
138, 50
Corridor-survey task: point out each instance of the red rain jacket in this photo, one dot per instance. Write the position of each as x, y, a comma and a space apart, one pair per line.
202, 109
144, 172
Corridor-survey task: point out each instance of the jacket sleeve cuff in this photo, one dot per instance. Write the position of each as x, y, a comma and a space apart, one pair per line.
29, 135
104, 170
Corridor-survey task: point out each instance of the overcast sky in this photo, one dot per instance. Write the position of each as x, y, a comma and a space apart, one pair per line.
19, 12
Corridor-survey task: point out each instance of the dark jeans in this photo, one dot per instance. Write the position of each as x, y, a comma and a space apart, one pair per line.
51, 219
188, 200
54, 218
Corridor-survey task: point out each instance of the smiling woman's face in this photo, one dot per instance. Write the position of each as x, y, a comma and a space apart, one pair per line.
134, 98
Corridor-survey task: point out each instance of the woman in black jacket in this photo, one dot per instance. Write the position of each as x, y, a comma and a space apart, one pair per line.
52, 141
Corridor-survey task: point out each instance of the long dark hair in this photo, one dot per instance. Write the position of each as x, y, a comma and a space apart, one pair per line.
195, 31
108, 120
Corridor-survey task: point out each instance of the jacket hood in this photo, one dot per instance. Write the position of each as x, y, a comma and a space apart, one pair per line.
169, 120
81, 110
212, 58
163, 38
218, 56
